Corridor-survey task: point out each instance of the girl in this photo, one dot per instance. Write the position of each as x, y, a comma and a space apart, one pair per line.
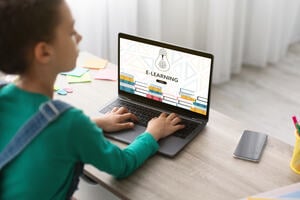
38, 41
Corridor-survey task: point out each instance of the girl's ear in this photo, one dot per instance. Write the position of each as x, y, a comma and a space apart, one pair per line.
42, 52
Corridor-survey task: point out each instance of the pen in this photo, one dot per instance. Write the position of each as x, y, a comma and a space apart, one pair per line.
297, 126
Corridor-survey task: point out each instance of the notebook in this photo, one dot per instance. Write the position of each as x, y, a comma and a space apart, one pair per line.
155, 77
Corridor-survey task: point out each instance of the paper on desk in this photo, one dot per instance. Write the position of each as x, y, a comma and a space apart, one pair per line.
77, 71
81, 79
90, 61
289, 192
292, 195
107, 74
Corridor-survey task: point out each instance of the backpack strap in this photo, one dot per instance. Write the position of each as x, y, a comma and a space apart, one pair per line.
48, 112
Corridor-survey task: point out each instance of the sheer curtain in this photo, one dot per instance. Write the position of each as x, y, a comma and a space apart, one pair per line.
254, 32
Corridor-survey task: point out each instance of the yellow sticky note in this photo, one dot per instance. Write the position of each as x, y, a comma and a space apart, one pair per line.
55, 88
95, 63
88, 60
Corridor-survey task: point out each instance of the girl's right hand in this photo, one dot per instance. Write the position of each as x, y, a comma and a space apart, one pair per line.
164, 125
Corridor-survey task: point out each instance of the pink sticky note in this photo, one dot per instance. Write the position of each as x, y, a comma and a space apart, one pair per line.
107, 74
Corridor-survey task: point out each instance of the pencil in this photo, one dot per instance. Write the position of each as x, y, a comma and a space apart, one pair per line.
297, 126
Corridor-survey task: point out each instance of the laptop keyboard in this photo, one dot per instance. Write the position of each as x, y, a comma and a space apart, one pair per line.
145, 114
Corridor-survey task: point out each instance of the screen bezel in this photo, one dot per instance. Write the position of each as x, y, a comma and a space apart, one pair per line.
153, 103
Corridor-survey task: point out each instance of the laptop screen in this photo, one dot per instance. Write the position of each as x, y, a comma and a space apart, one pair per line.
165, 73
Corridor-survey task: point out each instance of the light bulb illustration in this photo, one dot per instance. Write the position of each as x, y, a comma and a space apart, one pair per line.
162, 62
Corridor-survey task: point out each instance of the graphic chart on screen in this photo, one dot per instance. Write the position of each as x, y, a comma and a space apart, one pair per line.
165, 75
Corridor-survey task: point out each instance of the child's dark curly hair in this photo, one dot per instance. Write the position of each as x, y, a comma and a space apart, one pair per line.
24, 23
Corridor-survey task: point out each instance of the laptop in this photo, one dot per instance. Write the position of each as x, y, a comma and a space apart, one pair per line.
155, 77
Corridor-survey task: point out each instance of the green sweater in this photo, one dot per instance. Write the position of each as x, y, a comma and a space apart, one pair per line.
44, 169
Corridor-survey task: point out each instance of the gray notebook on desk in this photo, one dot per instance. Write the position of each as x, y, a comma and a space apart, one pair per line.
155, 77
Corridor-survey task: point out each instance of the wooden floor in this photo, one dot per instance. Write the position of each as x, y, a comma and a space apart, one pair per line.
264, 98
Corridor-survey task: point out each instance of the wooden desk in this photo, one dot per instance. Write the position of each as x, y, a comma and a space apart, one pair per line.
205, 169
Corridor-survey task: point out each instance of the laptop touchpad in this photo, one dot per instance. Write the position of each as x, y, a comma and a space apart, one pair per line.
127, 135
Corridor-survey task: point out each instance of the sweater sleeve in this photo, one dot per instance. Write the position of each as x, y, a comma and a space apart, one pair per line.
93, 148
